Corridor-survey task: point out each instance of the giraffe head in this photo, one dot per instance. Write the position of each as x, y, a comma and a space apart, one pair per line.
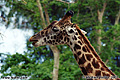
58, 32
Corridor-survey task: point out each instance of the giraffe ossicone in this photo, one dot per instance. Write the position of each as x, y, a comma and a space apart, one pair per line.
65, 32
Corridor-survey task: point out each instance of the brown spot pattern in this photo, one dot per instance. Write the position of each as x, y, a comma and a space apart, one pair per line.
84, 49
88, 68
70, 43
77, 47
95, 64
65, 39
42, 32
83, 70
81, 39
102, 69
79, 53
98, 73
82, 60
105, 74
79, 42
87, 48
89, 56
54, 36
44, 39
75, 37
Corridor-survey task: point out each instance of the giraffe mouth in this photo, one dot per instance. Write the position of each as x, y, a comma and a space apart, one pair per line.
33, 41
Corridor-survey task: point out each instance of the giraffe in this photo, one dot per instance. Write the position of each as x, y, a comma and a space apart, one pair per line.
66, 32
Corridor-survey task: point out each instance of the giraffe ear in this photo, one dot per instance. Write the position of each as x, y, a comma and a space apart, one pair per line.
84, 32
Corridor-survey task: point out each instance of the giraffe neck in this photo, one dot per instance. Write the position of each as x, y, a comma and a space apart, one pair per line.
87, 58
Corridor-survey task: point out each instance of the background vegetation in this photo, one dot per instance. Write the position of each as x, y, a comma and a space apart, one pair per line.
100, 18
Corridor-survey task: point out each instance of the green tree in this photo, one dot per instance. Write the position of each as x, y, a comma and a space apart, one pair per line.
38, 62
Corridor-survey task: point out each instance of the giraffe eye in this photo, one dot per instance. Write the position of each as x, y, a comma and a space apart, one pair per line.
55, 29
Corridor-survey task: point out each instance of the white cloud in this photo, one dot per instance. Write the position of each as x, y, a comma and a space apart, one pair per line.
14, 40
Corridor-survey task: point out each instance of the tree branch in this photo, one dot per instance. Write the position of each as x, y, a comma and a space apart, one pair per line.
104, 6
46, 14
100, 13
117, 18
4, 19
41, 13
100, 16
106, 61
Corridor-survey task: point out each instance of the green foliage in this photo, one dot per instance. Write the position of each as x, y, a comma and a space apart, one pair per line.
37, 63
